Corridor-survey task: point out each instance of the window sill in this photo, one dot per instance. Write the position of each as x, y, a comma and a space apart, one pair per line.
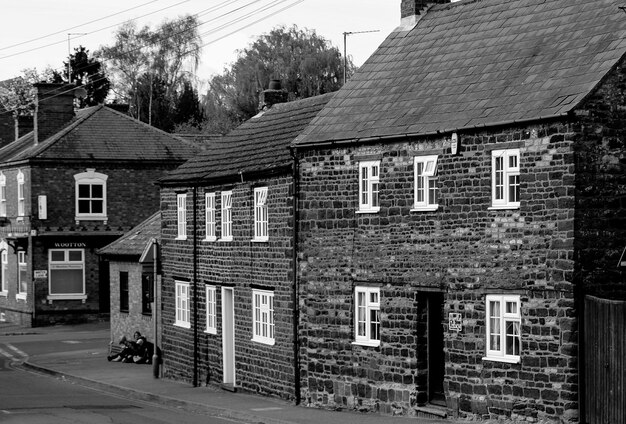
4, 293
260, 240
181, 238
82, 297
210, 239
182, 324
362, 211
225, 239
20, 296
430, 208
508, 360
211, 331
264, 341
372, 343
503, 207
103, 218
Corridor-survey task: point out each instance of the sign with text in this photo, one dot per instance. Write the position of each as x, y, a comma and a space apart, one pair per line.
455, 321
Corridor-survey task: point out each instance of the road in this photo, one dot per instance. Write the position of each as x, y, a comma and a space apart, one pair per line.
32, 398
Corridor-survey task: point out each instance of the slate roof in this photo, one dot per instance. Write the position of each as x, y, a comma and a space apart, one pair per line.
477, 63
259, 145
101, 133
135, 241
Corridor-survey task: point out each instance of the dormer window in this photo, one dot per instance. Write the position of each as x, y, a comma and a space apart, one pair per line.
91, 196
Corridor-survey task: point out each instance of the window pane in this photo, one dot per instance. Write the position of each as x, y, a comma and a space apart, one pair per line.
75, 255
83, 191
97, 206
66, 281
375, 324
84, 206
512, 338
57, 256
97, 191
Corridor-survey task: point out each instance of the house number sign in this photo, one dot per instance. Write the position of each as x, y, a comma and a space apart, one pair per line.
455, 321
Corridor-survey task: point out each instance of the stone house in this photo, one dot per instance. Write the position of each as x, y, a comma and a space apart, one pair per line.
73, 185
461, 199
133, 269
228, 292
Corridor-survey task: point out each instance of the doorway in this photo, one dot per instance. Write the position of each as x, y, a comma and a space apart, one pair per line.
228, 336
436, 356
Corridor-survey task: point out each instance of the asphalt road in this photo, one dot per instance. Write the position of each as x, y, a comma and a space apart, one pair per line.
32, 398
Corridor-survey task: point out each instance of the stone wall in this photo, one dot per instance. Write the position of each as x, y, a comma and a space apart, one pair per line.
465, 250
242, 265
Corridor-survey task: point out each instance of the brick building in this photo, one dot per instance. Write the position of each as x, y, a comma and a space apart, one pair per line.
132, 272
460, 198
73, 185
228, 257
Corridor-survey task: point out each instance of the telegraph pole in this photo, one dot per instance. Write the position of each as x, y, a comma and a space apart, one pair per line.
69, 54
345, 57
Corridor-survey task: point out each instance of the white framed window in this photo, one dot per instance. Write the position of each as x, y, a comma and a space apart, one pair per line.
369, 177
182, 305
21, 199
425, 183
3, 194
22, 275
227, 215
367, 316
209, 204
66, 274
181, 216
260, 214
91, 195
211, 309
263, 316
4, 267
505, 179
504, 322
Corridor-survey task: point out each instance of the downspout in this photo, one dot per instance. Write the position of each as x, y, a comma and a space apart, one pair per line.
195, 288
294, 264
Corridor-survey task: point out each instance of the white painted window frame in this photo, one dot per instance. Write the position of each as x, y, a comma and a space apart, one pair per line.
211, 309
227, 216
91, 178
366, 302
369, 186
21, 196
261, 221
22, 284
425, 183
263, 317
503, 317
182, 318
66, 263
4, 264
210, 223
505, 165
3, 194
181, 216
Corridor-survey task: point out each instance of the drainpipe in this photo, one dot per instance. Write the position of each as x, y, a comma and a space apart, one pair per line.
155, 308
294, 264
195, 289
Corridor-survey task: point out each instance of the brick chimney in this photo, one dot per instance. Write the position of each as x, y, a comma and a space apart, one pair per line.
54, 109
412, 10
274, 94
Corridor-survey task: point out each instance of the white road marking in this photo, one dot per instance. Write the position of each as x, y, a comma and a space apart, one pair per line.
16, 350
273, 408
7, 354
71, 341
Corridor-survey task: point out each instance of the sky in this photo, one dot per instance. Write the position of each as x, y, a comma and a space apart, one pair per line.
39, 33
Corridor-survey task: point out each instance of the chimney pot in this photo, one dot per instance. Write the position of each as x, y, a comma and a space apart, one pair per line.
273, 95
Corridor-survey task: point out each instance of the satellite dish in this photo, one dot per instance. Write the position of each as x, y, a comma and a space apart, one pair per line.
80, 93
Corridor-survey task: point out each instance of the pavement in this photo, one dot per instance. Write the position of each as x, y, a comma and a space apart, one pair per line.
90, 368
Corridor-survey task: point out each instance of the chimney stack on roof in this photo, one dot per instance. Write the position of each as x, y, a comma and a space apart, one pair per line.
273, 95
411, 11
54, 109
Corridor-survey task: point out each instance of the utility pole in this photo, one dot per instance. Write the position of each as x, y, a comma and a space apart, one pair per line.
345, 57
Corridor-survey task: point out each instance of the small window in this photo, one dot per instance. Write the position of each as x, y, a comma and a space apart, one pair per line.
21, 200
123, 291
367, 316
425, 183
505, 179
227, 216
263, 316
368, 186
91, 203
181, 202
211, 309
260, 214
4, 261
209, 201
504, 323
3, 195
182, 305
147, 292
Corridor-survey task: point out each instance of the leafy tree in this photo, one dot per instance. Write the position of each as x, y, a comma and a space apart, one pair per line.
18, 94
188, 107
306, 64
87, 72
142, 58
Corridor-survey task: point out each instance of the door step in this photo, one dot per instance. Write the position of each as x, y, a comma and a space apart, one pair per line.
230, 387
431, 411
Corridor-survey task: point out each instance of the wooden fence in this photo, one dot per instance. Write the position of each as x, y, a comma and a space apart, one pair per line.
605, 358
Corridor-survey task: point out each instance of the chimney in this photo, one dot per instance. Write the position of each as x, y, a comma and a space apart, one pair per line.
412, 10
274, 94
54, 109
